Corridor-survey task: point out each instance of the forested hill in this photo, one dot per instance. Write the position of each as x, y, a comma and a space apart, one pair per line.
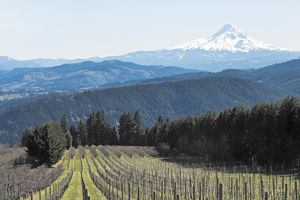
284, 77
168, 99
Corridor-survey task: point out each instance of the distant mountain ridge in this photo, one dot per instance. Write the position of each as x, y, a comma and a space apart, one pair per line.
80, 76
7, 63
284, 77
229, 47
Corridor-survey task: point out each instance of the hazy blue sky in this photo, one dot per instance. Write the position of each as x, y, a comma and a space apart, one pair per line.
87, 28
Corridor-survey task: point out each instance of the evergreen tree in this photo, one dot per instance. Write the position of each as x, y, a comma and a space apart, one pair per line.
65, 129
75, 136
126, 129
91, 129
25, 137
64, 124
138, 132
113, 137
82, 131
69, 139
159, 132
47, 143
100, 129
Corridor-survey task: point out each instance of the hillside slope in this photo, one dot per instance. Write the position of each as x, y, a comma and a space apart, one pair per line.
284, 77
169, 99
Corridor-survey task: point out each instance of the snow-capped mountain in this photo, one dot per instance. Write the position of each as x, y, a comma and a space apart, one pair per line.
228, 38
227, 48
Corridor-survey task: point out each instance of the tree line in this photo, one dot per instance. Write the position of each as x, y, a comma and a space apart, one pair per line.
266, 134
48, 142
98, 131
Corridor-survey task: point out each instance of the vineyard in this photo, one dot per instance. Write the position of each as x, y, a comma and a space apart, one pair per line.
123, 173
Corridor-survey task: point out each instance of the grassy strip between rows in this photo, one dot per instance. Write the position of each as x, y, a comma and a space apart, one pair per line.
93, 191
89, 157
74, 190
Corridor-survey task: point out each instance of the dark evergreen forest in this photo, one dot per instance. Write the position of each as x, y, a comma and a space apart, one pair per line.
266, 134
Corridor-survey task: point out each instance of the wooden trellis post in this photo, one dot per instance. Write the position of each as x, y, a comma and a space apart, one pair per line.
296, 190
128, 191
217, 188
40, 195
245, 191
194, 193
262, 189
285, 192
220, 192
266, 195
46, 193
122, 194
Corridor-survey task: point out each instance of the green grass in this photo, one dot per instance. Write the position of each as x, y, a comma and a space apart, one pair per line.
93, 191
74, 190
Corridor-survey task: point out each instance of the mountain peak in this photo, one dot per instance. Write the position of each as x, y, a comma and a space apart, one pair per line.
229, 38
228, 28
